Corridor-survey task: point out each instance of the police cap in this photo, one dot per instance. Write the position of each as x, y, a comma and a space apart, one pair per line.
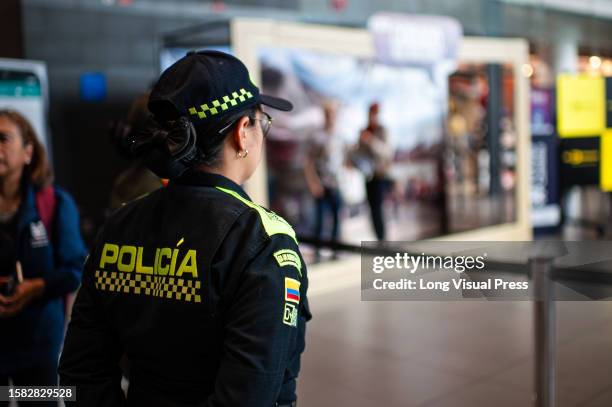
207, 85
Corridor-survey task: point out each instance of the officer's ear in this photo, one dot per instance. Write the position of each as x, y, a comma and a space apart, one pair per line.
240, 133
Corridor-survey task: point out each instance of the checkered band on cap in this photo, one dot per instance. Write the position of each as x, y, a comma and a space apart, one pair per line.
218, 106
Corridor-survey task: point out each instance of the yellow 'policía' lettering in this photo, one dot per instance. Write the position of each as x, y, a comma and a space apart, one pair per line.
128, 252
110, 252
188, 265
173, 261
130, 259
166, 253
139, 267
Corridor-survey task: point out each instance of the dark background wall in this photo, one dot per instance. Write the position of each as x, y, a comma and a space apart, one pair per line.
11, 33
123, 47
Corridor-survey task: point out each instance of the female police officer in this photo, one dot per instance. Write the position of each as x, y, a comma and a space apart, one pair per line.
203, 290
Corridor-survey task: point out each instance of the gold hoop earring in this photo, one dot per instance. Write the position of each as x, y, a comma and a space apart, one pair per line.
241, 155
246, 152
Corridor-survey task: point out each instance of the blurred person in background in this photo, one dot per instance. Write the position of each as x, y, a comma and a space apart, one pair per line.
42, 255
324, 161
373, 156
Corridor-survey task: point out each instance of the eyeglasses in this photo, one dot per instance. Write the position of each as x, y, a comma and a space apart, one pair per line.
266, 123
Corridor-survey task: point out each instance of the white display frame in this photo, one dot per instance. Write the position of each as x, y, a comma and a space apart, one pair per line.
248, 35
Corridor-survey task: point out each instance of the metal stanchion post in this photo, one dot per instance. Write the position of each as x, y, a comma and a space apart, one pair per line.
542, 255
545, 333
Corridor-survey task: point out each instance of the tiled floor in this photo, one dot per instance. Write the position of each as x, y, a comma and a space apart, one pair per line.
448, 354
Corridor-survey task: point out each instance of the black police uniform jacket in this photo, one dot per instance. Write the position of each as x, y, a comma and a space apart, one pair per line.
202, 290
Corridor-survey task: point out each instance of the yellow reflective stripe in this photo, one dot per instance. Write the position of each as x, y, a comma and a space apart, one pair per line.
272, 223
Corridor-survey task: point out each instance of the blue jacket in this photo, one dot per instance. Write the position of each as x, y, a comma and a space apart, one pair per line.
35, 334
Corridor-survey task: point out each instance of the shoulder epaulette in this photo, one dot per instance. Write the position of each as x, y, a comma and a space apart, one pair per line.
272, 223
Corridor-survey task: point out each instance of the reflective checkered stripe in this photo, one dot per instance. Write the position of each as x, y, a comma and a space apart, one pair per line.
146, 284
220, 105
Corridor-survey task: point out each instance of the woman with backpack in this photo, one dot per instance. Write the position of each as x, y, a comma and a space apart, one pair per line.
42, 255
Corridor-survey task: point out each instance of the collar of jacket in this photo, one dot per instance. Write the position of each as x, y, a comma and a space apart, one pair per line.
208, 179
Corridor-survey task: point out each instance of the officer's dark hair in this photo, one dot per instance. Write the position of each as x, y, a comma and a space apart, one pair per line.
212, 134
170, 143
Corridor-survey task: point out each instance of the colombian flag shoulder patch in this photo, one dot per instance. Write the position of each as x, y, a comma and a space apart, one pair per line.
292, 290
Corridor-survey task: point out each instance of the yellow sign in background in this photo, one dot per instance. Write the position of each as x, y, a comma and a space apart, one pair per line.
581, 105
605, 164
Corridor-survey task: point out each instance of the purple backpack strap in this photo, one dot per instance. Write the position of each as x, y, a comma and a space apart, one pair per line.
45, 204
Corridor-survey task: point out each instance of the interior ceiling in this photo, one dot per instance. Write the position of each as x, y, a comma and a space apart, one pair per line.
595, 8
598, 8
541, 21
